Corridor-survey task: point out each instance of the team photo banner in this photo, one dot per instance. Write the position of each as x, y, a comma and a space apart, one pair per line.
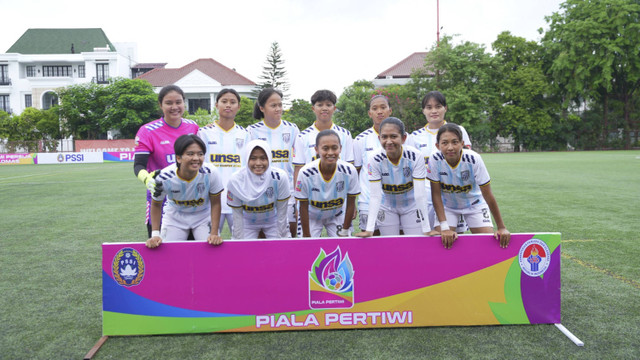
329, 283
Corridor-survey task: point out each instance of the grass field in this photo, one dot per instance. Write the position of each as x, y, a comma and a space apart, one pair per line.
53, 219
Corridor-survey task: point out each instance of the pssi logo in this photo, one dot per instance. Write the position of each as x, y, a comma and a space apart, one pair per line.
128, 267
534, 257
331, 281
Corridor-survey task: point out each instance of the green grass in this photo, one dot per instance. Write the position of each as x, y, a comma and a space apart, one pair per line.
53, 219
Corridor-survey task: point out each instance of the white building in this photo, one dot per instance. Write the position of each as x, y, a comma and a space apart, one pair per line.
43, 60
400, 73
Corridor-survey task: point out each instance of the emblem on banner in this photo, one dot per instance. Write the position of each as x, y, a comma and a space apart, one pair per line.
60, 158
128, 267
534, 257
331, 281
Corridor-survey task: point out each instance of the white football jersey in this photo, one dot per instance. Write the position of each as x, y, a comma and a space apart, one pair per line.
281, 139
306, 145
263, 210
327, 198
397, 179
187, 200
363, 146
461, 183
225, 150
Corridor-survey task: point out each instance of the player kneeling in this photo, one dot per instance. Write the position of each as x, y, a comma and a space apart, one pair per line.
192, 189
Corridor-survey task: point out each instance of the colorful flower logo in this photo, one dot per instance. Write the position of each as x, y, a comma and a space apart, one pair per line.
331, 281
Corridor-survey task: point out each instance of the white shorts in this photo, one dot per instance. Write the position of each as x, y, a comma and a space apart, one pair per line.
391, 222
170, 233
364, 217
478, 217
332, 224
270, 231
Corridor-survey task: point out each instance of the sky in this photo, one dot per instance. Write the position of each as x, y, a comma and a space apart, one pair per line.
326, 44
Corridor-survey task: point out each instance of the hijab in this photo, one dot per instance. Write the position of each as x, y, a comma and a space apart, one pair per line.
246, 185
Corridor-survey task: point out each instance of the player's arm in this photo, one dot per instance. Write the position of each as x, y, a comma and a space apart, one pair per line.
502, 233
375, 201
349, 215
282, 220
156, 216
448, 235
238, 223
304, 217
140, 170
420, 196
216, 208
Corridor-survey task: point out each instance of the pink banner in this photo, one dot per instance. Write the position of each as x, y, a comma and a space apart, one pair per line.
329, 283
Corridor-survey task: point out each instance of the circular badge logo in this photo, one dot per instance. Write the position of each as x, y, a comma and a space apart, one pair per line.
128, 267
534, 257
60, 158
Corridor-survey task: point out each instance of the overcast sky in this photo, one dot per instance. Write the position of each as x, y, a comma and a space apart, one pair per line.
325, 44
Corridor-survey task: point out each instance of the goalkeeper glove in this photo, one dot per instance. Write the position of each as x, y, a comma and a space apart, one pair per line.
148, 179
158, 188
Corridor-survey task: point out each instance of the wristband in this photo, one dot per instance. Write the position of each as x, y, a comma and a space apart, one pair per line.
444, 226
344, 232
155, 233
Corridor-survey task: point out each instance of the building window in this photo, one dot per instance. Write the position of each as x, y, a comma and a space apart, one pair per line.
81, 72
56, 71
27, 101
102, 73
4, 75
4, 103
31, 71
195, 104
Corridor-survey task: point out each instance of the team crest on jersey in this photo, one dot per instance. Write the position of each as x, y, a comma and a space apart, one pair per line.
380, 216
340, 186
534, 257
286, 137
128, 267
269, 192
239, 142
200, 187
465, 175
406, 171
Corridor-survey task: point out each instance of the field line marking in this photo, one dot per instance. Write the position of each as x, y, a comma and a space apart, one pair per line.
22, 176
568, 241
633, 283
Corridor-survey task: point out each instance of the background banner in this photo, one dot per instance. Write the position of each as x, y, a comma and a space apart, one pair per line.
329, 283
17, 159
118, 156
69, 158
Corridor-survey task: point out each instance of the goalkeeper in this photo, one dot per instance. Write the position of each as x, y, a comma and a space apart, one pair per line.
154, 140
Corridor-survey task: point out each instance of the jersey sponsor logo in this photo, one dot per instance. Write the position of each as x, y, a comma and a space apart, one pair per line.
187, 203
212, 142
534, 257
443, 173
312, 146
225, 158
385, 174
165, 142
465, 175
258, 209
171, 158
455, 188
175, 191
315, 189
340, 186
397, 189
331, 284
368, 149
280, 154
127, 267
327, 205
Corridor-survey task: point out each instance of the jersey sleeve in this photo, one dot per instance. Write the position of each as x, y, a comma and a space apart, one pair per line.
233, 201
299, 151
302, 187
347, 149
480, 172
433, 170
465, 137
215, 182
354, 182
143, 142
284, 187
419, 167
358, 158
374, 167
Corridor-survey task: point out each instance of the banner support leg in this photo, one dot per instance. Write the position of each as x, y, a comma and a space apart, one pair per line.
95, 348
568, 334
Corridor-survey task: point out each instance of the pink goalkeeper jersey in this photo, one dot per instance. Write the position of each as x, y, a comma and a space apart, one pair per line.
156, 140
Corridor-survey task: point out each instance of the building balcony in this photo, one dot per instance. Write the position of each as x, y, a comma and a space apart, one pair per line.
5, 81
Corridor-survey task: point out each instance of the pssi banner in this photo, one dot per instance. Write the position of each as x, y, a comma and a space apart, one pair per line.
329, 283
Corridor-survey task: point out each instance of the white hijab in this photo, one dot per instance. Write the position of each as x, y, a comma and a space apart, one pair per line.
246, 185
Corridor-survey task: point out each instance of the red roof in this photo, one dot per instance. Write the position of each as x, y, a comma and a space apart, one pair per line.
210, 67
149, 65
404, 68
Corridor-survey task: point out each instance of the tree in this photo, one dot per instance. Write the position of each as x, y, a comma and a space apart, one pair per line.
404, 104
83, 107
131, 103
466, 74
273, 73
353, 107
244, 117
300, 113
593, 54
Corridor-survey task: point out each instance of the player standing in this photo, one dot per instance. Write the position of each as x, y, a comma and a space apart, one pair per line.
192, 190
280, 135
225, 141
460, 186
326, 189
154, 141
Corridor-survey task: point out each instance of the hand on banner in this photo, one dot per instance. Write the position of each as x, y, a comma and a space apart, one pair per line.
504, 236
364, 234
214, 239
448, 237
154, 241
